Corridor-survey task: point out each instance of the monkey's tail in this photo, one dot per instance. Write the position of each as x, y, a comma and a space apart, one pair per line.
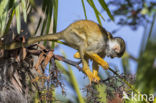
48, 37
32, 40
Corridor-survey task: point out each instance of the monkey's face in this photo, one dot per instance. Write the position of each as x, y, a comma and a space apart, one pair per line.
115, 47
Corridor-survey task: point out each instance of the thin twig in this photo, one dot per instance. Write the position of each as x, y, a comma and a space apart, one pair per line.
73, 63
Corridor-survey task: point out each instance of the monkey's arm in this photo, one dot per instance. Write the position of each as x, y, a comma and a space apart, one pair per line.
95, 58
95, 67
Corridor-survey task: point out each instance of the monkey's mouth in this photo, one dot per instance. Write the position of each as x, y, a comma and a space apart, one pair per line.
111, 56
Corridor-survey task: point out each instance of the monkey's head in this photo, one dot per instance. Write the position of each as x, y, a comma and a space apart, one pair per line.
115, 47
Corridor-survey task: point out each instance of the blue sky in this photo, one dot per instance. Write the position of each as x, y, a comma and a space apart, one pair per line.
71, 10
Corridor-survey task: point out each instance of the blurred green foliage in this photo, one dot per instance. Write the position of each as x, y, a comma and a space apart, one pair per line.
145, 77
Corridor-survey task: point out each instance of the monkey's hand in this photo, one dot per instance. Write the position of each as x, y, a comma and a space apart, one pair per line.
98, 60
91, 76
95, 68
86, 70
95, 74
77, 55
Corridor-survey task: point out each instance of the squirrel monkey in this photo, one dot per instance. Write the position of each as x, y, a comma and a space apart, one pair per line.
92, 42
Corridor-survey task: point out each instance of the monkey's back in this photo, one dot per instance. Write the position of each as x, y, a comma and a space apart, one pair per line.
88, 27
88, 32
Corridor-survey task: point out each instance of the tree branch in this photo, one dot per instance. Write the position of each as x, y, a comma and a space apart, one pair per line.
70, 62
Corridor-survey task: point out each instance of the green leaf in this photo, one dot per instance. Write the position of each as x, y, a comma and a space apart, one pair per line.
144, 11
145, 78
55, 19
61, 68
24, 10
76, 86
32, 3
3, 15
55, 15
152, 26
9, 21
38, 25
43, 26
125, 63
84, 9
49, 17
95, 10
104, 6
50, 8
101, 93
18, 17
73, 81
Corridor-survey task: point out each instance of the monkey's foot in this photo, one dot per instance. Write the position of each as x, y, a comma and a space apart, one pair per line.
77, 55
91, 77
95, 74
97, 77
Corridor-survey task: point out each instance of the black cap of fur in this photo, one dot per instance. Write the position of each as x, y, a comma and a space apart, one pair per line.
122, 45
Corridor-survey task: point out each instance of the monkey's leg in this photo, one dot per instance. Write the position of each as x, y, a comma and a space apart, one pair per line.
95, 57
95, 68
85, 68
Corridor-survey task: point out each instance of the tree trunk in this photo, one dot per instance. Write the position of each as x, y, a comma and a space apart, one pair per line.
15, 75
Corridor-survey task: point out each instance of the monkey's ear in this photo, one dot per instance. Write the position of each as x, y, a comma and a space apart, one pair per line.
109, 35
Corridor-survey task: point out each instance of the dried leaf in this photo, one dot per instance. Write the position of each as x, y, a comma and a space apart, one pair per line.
42, 67
36, 79
59, 57
17, 58
1, 53
40, 59
23, 39
24, 53
48, 57
41, 47
34, 51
